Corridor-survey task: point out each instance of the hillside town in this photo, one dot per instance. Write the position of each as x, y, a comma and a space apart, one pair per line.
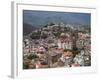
57, 45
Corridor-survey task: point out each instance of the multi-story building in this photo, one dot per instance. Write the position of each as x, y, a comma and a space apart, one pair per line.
65, 41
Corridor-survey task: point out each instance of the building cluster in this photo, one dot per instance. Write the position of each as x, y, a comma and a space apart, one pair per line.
64, 46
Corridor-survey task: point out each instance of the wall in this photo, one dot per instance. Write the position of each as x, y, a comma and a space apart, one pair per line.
5, 39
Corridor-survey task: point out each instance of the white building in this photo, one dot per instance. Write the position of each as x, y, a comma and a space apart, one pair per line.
65, 41
79, 59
